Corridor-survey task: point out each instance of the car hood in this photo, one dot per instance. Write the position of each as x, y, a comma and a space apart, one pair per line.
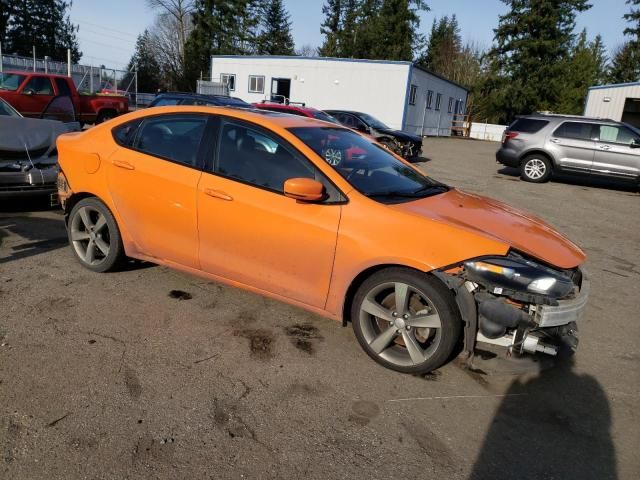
19, 134
399, 134
493, 219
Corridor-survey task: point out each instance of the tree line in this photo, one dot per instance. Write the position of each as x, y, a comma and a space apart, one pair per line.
537, 61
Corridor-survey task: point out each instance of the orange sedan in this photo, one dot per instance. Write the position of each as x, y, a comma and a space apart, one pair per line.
276, 204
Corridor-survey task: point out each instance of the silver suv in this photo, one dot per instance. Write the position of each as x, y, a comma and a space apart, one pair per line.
540, 144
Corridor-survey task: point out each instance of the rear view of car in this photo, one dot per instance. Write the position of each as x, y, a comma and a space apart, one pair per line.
522, 135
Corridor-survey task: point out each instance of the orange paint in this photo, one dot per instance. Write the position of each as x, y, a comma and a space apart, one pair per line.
303, 253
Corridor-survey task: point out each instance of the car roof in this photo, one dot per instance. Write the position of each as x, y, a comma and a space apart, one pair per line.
561, 117
353, 112
262, 117
192, 95
284, 106
26, 73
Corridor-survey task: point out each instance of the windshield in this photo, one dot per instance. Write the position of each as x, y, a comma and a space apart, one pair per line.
323, 116
366, 165
372, 121
11, 81
7, 110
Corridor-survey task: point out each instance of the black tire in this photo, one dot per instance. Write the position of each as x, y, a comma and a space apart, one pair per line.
436, 343
105, 115
95, 236
536, 168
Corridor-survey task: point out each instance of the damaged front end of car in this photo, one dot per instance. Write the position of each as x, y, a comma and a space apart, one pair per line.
518, 303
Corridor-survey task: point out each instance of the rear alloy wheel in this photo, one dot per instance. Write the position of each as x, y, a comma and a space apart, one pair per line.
406, 320
94, 236
535, 169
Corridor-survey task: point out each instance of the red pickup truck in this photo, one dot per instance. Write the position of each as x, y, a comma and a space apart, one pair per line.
31, 92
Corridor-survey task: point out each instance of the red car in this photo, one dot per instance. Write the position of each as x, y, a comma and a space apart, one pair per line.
298, 109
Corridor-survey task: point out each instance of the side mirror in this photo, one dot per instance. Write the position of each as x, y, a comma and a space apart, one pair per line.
28, 92
304, 189
635, 143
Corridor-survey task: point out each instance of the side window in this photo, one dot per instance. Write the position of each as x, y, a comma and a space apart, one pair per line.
229, 79
166, 101
450, 104
172, 137
256, 157
575, 130
338, 116
429, 99
39, 86
256, 84
438, 101
125, 134
613, 134
63, 87
412, 94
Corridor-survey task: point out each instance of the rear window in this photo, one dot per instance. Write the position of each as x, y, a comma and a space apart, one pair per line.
528, 125
576, 130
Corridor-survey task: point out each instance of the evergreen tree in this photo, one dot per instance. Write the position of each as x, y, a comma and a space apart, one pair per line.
275, 38
529, 62
43, 24
444, 47
331, 28
587, 68
367, 29
398, 24
145, 63
5, 12
625, 66
227, 27
348, 31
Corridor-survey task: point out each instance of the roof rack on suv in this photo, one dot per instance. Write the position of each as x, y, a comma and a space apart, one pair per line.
566, 115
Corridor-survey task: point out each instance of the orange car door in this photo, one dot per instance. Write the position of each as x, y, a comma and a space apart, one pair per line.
250, 232
153, 178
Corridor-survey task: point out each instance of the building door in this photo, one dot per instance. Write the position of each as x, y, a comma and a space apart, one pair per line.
280, 90
631, 113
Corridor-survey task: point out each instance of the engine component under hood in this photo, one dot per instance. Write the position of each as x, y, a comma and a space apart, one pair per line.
499, 221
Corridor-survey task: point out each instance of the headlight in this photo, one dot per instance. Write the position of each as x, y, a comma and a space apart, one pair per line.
519, 275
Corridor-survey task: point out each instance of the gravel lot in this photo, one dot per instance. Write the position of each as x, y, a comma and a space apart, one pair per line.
110, 376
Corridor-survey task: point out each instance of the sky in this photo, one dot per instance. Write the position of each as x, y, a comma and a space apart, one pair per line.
108, 29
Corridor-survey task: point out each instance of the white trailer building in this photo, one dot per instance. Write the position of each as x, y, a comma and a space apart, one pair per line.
619, 102
401, 94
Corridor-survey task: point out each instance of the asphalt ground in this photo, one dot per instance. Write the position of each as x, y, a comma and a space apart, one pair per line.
150, 373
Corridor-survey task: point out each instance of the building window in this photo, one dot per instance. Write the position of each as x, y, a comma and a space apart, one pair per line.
450, 104
256, 84
438, 101
429, 98
412, 94
229, 79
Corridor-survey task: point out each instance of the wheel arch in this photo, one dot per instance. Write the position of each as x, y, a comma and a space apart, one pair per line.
539, 151
73, 200
359, 280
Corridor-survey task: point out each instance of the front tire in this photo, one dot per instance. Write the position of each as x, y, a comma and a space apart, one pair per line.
536, 169
406, 320
94, 236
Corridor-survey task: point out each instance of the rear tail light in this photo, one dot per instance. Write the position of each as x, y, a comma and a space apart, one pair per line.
506, 136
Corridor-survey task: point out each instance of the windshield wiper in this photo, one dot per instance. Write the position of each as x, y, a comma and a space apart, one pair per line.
425, 191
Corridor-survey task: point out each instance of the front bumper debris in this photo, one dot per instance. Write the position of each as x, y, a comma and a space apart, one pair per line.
566, 311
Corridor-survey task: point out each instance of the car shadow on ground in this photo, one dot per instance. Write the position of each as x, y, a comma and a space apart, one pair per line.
557, 425
581, 180
40, 235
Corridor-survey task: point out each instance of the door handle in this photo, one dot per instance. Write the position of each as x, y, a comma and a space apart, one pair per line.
218, 194
605, 147
122, 164
554, 140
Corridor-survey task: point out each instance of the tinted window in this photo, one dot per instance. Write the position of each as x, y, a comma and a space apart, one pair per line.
577, 130
528, 125
125, 134
367, 166
613, 134
39, 86
63, 87
174, 137
323, 116
256, 157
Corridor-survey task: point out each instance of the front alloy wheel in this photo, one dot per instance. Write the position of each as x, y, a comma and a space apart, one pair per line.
406, 320
94, 236
535, 169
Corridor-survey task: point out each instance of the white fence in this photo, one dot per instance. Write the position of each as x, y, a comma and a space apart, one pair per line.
487, 131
